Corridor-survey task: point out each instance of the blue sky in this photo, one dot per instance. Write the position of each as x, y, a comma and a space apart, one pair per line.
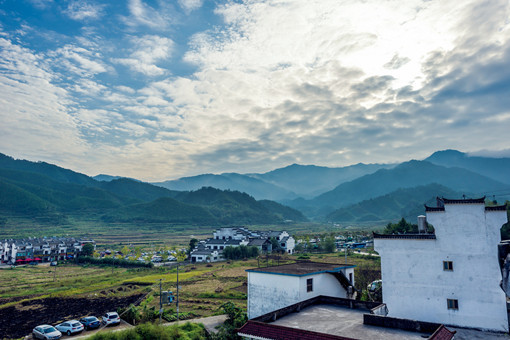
162, 89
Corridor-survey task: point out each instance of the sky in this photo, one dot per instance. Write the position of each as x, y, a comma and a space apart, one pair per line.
158, 90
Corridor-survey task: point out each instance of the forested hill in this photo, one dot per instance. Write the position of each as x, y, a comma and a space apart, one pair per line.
47, 192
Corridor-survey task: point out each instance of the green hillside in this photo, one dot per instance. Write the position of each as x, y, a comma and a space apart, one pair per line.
44, 192
406, 175
230, 206
407, 203
164, 209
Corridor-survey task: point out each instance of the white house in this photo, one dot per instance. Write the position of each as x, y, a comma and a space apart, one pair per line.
451, 276
276, 287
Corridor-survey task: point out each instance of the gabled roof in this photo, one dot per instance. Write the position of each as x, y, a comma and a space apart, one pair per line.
442, 333
215, 241
260, 330
258, 242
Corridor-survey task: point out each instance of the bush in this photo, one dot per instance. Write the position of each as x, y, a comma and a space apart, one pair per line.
110, 261
187, 331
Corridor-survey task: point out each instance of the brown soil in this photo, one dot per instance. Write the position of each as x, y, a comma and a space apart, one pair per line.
19, 320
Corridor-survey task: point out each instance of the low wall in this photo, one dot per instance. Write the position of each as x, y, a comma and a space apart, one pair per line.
318, 300
404, 324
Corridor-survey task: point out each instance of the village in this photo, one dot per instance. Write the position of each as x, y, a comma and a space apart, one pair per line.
454, 268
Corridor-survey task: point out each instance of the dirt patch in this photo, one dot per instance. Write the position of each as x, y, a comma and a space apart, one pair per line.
242, 288
18, 321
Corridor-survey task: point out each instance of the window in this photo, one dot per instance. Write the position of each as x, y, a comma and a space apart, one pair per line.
447, 265
309, 285
452, 303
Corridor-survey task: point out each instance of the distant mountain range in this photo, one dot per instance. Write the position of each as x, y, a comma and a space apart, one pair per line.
42, 190
361, 193
293, 181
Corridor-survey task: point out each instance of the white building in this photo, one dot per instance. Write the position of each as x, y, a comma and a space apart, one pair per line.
451, 276
276, 287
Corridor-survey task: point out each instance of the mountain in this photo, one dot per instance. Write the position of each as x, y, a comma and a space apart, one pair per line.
134, 189
49, 170
230, 181
309, 180
43, 191
236, 207
161, 210
495, 168
281, 184
407, 203
406, 175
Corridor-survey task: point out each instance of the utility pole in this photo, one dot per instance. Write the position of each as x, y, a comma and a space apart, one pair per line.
160, 302
177, 304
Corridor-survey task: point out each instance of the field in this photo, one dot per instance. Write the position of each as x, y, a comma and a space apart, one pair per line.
33, 295
156, 234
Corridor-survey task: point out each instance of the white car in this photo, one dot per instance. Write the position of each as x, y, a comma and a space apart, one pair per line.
46, 332
111, 318
70, 327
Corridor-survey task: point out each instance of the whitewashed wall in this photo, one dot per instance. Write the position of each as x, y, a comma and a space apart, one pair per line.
268, 292
415, 286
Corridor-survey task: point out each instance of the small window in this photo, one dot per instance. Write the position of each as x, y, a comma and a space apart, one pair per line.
309, 285
452, 303
447, 265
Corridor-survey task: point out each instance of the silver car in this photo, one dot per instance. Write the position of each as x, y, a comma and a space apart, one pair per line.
70, 327
111, 318
46, 332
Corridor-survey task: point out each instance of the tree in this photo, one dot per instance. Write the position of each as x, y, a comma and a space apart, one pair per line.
87, 249
125, 250
275, 245
235, 319
329, 244
402, 227
180, 255
192, 244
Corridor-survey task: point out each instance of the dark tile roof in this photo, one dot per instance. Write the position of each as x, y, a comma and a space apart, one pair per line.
233, 242
301, 268
215, 241
480, 200
429, 209
406, 236
496, 208
274, 332
258, 242
442, 333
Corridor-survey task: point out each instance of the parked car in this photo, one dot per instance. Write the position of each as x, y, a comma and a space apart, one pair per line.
111, 318
53, 263
90, 322
46, 332
70, 327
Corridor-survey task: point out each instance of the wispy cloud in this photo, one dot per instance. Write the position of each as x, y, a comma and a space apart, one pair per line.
83, 10
190, 5
147, 51
142, 14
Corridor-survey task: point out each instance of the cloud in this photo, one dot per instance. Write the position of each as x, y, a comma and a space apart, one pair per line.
190, 5
326, 82
82, 10
79, 60
146, 52
41, 4
35, 119
142, 14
